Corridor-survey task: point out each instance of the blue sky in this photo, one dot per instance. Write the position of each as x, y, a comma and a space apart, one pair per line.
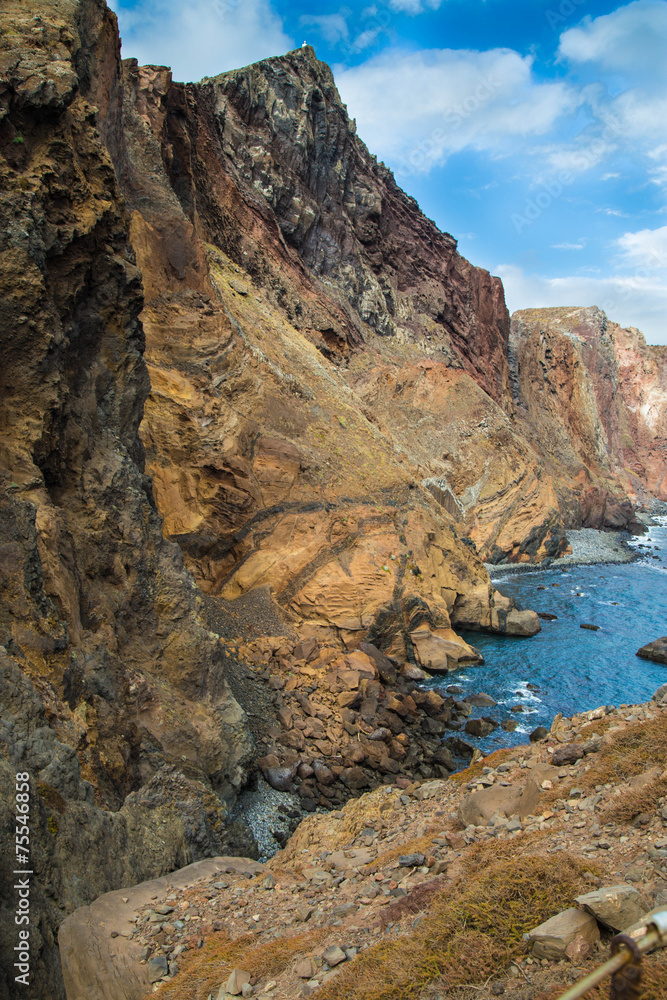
534, 132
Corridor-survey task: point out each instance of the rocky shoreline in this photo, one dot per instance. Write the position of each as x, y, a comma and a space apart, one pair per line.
589, 547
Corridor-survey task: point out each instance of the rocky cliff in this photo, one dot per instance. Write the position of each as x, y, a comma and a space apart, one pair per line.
113, 693
591, 397
225, 324
315, 344
269, 469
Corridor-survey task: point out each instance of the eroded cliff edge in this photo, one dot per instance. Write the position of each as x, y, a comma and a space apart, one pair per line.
316, 347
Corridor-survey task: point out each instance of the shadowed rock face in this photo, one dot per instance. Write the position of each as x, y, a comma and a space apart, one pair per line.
113, 694
592, 397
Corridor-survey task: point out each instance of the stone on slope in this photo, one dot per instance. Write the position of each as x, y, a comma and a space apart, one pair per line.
506, 800
538, 734
568, 754
660, 695
616, 906
551, 939
158, 968
333, 955
234, 985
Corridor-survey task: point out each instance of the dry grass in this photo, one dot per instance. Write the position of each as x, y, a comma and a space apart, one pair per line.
471, 931
597, 727
419, 845
476, 770
629, 752
202, 972
632, 802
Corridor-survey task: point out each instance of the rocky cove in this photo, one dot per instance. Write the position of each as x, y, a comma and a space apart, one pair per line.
263, 431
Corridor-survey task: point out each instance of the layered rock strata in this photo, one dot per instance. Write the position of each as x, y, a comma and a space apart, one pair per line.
592, 397
323, 415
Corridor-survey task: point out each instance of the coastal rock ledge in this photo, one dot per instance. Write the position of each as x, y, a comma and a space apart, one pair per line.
656, 650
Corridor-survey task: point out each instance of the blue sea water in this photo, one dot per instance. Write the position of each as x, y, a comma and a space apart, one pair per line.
573, 669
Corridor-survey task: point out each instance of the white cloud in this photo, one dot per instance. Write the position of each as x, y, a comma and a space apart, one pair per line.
203, 37
332, 27
414, 6
365, 39
466, 98
630, 39
627, 299
646, 250
568, 246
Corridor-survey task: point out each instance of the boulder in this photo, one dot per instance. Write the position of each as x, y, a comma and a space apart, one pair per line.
481, 700
158, 968
459, 747
411, 672
656, 651
305, 969
552, 938
568, 754
511, 800
480, 727
323, 774
385, 667
333, 955
430, 789
538, 734
354, 778
234, 985
411, 860
444, 757
522, 623
441, 653
616, 906
280, 778
661, 695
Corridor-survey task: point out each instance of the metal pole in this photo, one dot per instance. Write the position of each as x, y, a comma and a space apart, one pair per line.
650, 934
650, 940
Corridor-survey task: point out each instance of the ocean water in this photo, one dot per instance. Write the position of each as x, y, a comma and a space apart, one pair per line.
570, 669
